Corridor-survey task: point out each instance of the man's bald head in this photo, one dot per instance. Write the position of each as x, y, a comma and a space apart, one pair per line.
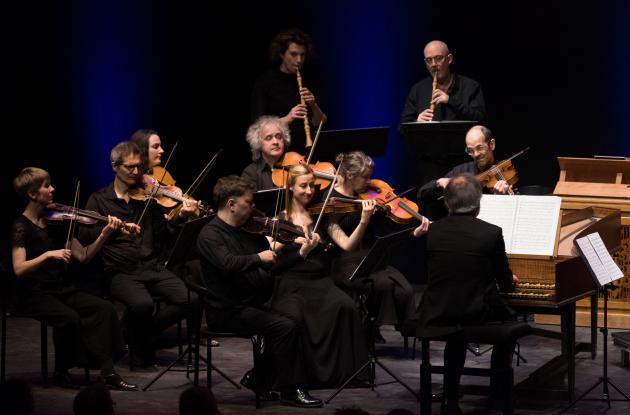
435, 47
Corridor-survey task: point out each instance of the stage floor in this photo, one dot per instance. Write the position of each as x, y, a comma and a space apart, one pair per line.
234, 357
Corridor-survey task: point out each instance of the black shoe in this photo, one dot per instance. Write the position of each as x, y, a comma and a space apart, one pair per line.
437, 397
300, 398
64, 380
249, 380
378, 337
114, 381
450, 408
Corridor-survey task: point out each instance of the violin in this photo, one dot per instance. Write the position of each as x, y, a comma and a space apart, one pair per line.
336, 205
399, 209
160, 186
323, 171
282, 230
503, 170
57, 212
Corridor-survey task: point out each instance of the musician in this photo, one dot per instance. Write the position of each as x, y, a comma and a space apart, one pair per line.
392, 300
132, 262
150, 145
268, 138
455, 97
276, 91
466, 260
480, 146
237, 269
85, 327
333, 338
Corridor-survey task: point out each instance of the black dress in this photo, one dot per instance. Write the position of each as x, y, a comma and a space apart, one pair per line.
333, 339
86, 329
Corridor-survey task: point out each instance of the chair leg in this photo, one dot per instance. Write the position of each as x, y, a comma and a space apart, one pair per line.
209, 362
425, 379
413, 351
256, 346
44, 349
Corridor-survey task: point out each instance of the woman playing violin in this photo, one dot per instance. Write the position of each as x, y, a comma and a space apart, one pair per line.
334, 343
151, 152
391, 301
480, 146
85, 327
268, 138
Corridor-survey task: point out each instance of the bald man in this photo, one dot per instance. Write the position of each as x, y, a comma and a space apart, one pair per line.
480, 145
456, 97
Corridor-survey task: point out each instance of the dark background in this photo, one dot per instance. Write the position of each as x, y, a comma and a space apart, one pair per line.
83, 75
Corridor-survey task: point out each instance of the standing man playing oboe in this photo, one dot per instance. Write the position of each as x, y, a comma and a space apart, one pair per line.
444, 95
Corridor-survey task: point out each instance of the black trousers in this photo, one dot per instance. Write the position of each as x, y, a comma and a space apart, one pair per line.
86, 329
145, 322
391, 300
455, 357
282, 355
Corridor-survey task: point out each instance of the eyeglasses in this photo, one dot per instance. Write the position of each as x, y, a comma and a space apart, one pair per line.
438, 59
131, 167
479, 148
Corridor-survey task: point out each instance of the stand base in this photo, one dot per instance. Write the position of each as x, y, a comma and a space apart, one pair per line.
371, 363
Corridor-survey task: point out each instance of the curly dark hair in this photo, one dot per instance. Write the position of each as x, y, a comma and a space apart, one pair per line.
280, 43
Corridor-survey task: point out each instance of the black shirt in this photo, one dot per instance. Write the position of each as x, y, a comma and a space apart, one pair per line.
275, 93
259, 172
121, 253
232, 270
465, 101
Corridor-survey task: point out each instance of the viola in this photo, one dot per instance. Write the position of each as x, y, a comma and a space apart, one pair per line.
399, 209
323, 171
160, 186
57, 212
503, 170
282, 230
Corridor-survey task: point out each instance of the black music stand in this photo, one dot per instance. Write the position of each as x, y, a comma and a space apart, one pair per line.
437, 146
375, 259
182, 250
372, 141
599, 274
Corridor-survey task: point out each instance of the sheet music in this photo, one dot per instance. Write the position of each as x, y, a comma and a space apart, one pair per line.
600, 263
529, 223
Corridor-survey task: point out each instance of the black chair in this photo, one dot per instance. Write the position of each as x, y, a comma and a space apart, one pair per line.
7, 280
195, 283
491, 333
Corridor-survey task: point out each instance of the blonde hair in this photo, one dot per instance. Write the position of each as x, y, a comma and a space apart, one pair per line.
354, 163
294, 172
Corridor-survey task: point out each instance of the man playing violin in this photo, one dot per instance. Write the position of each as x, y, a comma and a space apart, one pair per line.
480, 146
132, 261
237, 268
268, 138
85, 327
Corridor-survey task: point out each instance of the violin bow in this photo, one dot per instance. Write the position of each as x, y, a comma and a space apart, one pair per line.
310, 153
203, 173
73, 216
332, 186
159, 184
